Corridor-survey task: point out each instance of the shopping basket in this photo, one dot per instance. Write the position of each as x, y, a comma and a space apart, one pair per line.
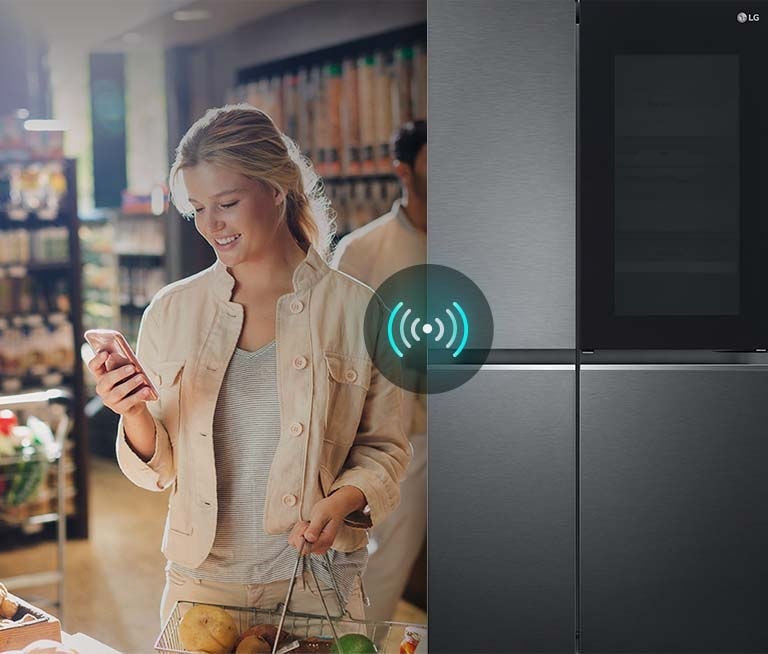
387, 635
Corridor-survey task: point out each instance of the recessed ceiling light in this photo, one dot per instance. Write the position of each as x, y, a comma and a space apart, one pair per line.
22, 113
131, 38
185, 15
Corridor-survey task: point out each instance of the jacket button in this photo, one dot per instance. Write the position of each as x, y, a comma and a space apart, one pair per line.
289, 500
297, 306
296, 428
300, 363
350, 375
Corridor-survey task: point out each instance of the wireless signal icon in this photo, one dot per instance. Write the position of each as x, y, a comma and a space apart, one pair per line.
417, 329
409, 327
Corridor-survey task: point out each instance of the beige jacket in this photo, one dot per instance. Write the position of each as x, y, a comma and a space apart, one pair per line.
338, 414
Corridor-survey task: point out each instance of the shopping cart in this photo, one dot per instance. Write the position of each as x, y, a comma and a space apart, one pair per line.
23, 473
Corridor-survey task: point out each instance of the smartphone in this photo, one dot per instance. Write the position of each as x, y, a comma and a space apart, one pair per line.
121, 354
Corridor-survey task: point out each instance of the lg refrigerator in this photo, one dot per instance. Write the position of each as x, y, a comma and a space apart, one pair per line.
599, 170
673, 316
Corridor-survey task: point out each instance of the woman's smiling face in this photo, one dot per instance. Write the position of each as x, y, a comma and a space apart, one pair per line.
238, 216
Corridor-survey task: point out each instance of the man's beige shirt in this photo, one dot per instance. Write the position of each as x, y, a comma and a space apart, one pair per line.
376, 252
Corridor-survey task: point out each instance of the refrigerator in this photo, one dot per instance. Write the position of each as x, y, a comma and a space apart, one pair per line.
599, 170
502, 447
673, 324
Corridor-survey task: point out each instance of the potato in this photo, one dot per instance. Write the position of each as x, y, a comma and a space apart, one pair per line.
253, 645
8, 608
266, 632
208, 629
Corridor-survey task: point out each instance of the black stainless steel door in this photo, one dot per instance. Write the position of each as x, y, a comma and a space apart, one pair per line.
502, 112
502, 512
674, 527
673, 175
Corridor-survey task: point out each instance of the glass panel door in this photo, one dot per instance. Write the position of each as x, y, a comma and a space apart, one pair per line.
673, 181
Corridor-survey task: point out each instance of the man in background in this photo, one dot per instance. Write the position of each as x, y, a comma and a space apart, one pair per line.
372, 254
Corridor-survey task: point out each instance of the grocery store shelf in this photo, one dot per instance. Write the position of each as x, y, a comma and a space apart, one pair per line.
141, 255
33, 397
45, 285
372, 177
32, 221
42, 519
21, 269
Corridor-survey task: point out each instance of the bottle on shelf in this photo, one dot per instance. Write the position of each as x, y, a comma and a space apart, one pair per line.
343, 112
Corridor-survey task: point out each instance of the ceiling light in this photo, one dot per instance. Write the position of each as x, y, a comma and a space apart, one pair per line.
22, 114
44, 126
185, 15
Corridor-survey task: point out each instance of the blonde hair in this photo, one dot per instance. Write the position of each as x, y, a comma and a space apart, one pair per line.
246, 140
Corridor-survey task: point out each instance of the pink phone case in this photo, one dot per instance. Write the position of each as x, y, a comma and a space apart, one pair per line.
114, 342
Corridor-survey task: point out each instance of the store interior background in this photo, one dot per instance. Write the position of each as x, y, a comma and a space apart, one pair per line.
126, 78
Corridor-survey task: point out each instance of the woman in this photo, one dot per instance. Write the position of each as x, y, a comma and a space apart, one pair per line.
273, 428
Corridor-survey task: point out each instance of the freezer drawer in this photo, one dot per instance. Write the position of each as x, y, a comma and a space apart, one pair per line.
502, 123
502, 513
674, 523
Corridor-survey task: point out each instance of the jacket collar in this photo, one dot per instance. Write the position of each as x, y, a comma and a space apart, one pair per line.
307, 274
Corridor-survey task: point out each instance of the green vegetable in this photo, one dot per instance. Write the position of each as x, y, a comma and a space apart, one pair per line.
354, 644
25, 482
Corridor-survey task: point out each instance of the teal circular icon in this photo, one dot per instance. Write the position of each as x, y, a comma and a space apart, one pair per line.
428, 328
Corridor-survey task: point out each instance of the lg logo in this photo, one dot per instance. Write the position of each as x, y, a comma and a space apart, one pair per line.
747, 18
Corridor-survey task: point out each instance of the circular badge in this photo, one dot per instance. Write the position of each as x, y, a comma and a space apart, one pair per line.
428, 329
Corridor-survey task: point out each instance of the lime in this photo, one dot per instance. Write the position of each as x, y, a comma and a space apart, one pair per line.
354, 644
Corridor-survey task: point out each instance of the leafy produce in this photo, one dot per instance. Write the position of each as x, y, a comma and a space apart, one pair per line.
29, 447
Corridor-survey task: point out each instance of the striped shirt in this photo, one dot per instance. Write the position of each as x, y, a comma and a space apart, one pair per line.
246, 431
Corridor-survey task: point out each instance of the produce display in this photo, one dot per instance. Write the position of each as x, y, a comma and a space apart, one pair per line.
211, 630
29, 448
12, 618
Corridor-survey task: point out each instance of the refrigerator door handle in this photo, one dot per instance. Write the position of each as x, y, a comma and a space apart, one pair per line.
499, 367
697, 367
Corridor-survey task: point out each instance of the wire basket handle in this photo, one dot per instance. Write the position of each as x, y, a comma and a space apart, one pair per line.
292, 584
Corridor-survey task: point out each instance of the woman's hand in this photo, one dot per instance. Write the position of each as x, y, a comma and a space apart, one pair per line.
325, 519
115, 387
